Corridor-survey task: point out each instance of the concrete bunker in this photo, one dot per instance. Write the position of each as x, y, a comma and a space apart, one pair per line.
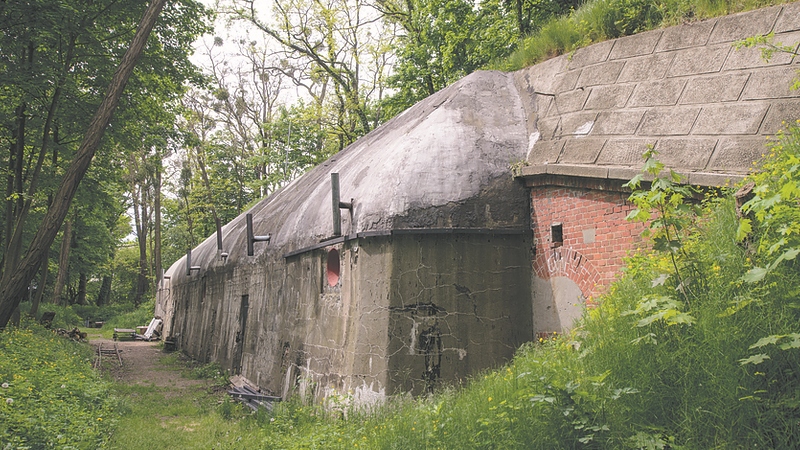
422, 279
441, 264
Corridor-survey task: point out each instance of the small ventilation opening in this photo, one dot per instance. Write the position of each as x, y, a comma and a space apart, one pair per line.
556, 234
333, 267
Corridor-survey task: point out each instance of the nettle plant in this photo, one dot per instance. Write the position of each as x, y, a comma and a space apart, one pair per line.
668, 208
773, 217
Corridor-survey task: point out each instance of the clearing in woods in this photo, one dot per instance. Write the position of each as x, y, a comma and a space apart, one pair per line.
161, 404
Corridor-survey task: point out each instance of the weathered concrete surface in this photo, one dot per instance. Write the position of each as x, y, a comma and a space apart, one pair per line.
438, 241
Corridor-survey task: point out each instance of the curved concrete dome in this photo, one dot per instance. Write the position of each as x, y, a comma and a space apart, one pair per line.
419, 170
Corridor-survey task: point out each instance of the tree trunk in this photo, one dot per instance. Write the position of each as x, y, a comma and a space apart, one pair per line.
81, 299
105, 291
14, 286
157, 232
63, 263
37, 299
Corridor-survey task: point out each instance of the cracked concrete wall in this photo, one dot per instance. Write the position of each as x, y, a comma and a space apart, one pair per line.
457, 304
438, 169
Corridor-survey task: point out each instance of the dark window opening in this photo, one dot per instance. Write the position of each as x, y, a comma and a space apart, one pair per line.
556, 234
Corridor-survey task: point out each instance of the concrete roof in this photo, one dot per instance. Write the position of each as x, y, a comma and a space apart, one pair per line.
705, 106
424, 168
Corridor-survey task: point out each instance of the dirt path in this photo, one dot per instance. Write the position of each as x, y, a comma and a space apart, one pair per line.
141, 364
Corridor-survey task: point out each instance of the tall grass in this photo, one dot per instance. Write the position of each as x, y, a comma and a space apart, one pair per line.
599, 20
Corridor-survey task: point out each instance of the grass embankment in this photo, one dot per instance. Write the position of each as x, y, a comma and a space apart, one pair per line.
49, 395
600, 20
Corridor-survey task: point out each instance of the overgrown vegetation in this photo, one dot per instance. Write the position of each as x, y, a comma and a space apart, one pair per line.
600, 20
49, 395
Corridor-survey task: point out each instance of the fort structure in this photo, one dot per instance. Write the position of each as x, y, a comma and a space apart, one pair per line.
414, 257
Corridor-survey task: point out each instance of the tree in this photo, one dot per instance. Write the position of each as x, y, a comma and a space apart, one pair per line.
335, 49
445, 40
15, 282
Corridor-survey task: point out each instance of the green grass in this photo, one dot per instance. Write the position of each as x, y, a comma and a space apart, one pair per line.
599, 20
49, 395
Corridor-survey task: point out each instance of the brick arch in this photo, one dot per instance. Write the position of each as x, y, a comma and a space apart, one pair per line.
596, 235
570, 263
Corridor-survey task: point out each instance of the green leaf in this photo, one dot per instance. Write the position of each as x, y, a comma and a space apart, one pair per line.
769, 340
755, 359
755, 275
794, 343
744, 229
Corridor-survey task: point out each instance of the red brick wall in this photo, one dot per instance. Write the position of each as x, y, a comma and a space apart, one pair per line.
591, 265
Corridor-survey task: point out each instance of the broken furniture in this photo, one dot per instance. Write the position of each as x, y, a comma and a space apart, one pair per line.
148, 333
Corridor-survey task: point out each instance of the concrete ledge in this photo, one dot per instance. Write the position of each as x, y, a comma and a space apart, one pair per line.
551, 174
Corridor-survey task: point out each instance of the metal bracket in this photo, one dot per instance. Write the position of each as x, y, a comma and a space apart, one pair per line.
189, 267
338, 205
251, 238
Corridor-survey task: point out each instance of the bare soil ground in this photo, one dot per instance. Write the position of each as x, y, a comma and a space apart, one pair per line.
141, 364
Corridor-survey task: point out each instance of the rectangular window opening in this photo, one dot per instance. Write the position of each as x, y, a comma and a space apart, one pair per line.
556, 234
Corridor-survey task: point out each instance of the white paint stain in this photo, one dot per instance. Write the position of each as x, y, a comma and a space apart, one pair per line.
533, 140
413, 346
585, 128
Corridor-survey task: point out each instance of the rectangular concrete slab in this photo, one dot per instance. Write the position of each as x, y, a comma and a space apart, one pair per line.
668, 121
686, 153
618, 122
772, 83
547, 127
576, 124
751, 23
712, 179
604, 73
592, 54
581, 150
571, 101
584, 171
624, 152
566, 81
657, 93
546, 151
789, 20
730, 119
738, 154
650, 67
747, 58
714, 89
687, 35
700, 60
780, 115
635, 45
609, 97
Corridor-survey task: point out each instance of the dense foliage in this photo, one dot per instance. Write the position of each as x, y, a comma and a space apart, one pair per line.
49, 395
